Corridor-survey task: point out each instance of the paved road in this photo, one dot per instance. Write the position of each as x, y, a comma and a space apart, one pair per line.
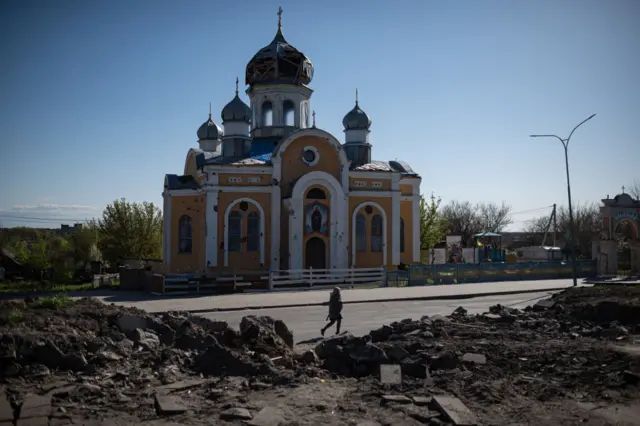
360, 318
315, 297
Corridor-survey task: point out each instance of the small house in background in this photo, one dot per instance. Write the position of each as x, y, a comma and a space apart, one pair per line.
12, 267
544, 253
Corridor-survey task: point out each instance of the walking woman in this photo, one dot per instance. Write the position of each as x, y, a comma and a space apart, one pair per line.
335, 311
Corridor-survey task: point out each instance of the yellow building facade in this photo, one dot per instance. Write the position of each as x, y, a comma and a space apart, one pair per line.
271, 191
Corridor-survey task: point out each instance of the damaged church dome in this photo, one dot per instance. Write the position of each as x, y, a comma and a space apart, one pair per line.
279, 62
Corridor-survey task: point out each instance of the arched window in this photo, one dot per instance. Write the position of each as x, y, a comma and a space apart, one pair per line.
361, 233
316, 194
376, 234
235, 231
401, 235
267, 113
287, 113
184, 234
253, 232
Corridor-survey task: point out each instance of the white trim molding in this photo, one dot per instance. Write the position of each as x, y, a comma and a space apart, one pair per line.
369, 193
226, 228
370, 175
182, 192
338, 258
415, 226
353, 231
239, 188
395, 219
211, 220
316, 155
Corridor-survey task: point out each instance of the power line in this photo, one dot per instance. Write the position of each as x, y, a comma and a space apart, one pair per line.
41, 219
532, 210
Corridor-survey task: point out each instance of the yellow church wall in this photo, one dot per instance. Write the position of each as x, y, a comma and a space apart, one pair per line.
194, 207
243, 260
406, 213
190, 168
293, 167
382, 184
406, 189
244, 179
370, 259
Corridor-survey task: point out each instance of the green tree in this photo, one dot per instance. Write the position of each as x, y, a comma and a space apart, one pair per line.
432, 224
129, 229
84, 244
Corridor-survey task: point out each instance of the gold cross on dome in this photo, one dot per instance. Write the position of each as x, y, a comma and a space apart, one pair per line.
279, 16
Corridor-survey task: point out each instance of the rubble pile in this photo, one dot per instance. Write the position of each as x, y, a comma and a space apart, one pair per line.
570, 345
90, 337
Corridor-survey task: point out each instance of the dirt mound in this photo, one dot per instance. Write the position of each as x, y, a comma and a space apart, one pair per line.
88, 336
601, 304
555, 349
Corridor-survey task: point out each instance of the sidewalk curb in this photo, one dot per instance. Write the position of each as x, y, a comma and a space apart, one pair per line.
405, 299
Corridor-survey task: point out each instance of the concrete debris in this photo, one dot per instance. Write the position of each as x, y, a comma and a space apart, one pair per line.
92, 360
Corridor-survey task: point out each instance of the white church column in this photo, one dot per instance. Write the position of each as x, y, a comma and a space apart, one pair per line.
415, 226
395, 219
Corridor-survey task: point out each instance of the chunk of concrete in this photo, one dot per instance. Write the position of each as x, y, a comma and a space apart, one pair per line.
6, 410
455, 410
36, 406
268, 416
421, 400
236, 413
396, 399
168, 405
474, 358
127, 323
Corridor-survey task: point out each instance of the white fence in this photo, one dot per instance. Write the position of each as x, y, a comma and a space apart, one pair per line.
319, 278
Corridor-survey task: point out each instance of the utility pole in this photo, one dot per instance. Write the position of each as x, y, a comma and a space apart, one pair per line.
572, 235
555, 224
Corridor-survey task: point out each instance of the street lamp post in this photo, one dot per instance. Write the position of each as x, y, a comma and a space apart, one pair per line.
565, 144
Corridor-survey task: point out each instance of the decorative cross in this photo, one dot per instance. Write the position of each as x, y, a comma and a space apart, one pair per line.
314, 118
209, 110
356, 95
237, 86
623, 189
279, 16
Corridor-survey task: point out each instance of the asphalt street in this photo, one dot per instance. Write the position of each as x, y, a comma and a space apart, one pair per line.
360, 318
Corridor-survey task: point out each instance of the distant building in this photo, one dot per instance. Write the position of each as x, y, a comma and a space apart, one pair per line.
70, 229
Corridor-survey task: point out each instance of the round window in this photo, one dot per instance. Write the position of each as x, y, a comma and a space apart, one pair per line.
244, 206
310, 156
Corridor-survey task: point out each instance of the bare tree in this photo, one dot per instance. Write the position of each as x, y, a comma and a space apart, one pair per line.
634, 189
587, 223
493, 217
465, 219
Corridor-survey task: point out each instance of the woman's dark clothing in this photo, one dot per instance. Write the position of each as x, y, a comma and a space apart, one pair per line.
335, 312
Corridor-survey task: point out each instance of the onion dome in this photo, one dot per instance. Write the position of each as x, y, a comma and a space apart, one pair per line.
356, 119
279, 62
236, 110
209, 129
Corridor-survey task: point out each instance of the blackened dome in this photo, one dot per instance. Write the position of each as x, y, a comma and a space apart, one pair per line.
279, 62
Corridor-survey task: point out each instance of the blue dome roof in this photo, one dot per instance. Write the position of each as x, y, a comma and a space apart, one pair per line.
209, 130
356, 119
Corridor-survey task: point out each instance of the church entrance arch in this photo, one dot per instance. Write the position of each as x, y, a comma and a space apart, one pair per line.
618, 248
625, 235
315, 254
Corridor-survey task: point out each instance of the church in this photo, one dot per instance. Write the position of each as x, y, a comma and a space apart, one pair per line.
268, 190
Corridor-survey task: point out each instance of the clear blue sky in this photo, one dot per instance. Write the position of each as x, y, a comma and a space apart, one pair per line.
101, 99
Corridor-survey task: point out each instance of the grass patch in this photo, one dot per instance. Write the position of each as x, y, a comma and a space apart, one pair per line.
36, 286
12, 317
59, 301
